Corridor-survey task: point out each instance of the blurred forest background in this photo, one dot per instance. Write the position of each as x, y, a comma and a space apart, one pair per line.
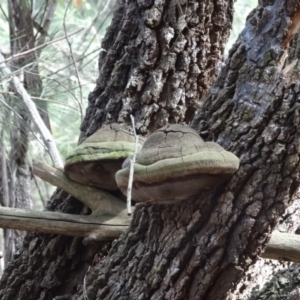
66, 70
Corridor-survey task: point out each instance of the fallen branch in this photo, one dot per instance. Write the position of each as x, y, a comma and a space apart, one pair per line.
283, 246
99, 201
100, 228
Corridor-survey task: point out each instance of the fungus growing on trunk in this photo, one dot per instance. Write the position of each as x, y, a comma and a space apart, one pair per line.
176, 163
100, 156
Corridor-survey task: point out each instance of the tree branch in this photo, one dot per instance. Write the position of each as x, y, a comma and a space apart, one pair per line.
99, 201
40, 46
282, 246
100, 228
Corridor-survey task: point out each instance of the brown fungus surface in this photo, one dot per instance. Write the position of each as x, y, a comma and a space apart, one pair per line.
100, 156
176, 163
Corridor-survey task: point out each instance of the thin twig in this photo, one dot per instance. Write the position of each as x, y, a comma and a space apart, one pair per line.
92, 39
41, 46
95, 19
131, 171
38, 26
59, 82
47, 137
85, 295
4, 173
50, 10
38, 98
66, 88
78, 61
81, 65
73, 60
21, 119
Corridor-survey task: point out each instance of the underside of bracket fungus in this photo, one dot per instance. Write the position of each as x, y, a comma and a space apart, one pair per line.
176, 163
100, 156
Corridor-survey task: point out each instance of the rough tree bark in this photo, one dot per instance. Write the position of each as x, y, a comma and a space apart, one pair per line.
159, 62
276, 279
252, 111
198, 249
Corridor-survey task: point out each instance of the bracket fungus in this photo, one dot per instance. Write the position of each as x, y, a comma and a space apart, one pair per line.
100, 156
176, 163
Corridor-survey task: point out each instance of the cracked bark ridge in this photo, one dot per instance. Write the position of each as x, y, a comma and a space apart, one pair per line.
200, 249
158, 67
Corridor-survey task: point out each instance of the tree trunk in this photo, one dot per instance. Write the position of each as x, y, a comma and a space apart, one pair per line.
155, 66
158, 62
274, 279
251, 111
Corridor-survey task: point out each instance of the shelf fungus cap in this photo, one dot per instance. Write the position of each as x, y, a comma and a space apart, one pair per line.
100, 156
176, 163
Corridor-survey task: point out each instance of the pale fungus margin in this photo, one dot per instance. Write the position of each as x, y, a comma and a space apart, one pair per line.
100, 156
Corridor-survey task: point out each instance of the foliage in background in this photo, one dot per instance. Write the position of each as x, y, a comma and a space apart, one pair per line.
68, 71
65, 92
241, 11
